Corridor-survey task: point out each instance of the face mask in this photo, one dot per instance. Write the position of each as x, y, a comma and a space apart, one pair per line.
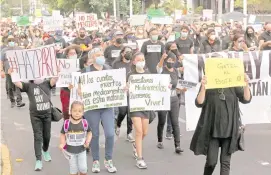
239, 45
73, 57
184, 34
100, 60
11, 44
250, 34
140, 64
82, 35
212, 37
119, 40
38, 81
169, 65
154, 37
37, 34
128, 56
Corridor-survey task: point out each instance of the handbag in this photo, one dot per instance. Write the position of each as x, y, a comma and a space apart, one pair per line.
56, 114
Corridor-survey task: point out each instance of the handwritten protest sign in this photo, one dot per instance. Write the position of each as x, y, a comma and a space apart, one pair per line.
30, 64
103, 89
185, 84
149, 92
223, 73
74, 96
53, 23
66, 67
87, 20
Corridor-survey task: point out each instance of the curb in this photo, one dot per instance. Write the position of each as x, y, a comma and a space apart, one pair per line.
6, 163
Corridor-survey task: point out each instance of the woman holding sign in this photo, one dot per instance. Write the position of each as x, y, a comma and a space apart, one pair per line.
219, 125
169, 61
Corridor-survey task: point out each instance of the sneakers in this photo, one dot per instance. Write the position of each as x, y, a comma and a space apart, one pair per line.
160, 145
179, 150
12, 104
20, 104
46, 156
109, 166
38, 165
134, 151
141, 164
130, 138
96, 167
117, 131
169, 136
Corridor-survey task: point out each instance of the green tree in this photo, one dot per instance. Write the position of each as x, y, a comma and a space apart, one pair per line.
255, 6
172, 5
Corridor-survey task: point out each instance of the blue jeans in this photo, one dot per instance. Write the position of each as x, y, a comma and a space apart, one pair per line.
94, 118
78, 163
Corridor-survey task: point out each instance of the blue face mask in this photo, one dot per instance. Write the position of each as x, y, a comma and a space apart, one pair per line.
11, 44
100, 60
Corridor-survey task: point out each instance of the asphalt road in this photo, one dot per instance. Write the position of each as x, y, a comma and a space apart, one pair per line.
18, 135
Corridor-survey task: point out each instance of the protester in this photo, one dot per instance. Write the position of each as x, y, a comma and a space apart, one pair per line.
211, 44
105, 115
38, 92
251, 39
184, 43
124, 61
265, 38
219, 124
239, 44
4, 73
173, 113
75, 138
153, 51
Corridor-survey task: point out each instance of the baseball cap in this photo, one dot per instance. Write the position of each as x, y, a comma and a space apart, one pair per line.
117, 33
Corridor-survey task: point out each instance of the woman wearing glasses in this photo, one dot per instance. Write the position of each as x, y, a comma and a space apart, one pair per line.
219, 124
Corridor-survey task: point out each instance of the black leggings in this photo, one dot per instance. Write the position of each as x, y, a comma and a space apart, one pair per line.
212, 156
173, 115
123, 111
42, 133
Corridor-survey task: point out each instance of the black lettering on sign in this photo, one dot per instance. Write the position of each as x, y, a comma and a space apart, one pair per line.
259, 88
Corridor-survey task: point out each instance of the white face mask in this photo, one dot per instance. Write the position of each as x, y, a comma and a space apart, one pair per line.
140, 64
38, 81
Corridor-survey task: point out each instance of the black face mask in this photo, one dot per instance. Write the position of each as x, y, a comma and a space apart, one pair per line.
119, 40
128, 56
250, 34
82, 35
170, 65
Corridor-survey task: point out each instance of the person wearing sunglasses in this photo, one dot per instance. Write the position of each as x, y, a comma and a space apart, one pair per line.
238, 44
219, 124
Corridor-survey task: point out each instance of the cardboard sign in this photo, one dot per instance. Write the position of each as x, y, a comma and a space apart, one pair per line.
74, 96
223, 73
103, 89
66, 67
53, 23
149, 92
31, 64
87, 20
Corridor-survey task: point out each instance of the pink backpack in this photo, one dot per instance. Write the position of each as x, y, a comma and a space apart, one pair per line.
67, 125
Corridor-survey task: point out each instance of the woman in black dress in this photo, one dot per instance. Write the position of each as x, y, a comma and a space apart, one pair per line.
219, 124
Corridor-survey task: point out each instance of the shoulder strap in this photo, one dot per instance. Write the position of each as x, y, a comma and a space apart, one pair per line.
85, 124
45, 95
66, 125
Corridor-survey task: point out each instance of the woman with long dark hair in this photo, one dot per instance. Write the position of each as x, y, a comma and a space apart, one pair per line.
124, 61
250, 39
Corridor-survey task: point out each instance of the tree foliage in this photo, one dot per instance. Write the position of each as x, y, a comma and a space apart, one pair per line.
255, 6
172, 5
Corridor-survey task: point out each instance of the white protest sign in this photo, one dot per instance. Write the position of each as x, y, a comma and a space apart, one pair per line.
87, 20
252, 19
103, 89
149, 92
257, 67
30, 64
66, 67
53, 23
154, 48
138, 20
162, 20
74, 96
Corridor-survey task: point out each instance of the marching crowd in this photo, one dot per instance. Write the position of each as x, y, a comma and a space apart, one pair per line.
116, 45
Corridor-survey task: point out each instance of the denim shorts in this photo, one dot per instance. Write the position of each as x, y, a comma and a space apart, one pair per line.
78, 163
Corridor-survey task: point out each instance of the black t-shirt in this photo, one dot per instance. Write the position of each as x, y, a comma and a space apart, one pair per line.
60, 44
76, 135
153, 53
266, 37
251, 42
39, 103
206, 47
226, 41
111, 53
184, 46
120, 64
79, 41
173, 77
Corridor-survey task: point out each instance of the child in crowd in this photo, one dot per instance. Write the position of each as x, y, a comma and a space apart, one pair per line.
38, 92
75, 138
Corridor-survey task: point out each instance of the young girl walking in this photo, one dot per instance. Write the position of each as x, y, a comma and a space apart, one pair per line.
75, 138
